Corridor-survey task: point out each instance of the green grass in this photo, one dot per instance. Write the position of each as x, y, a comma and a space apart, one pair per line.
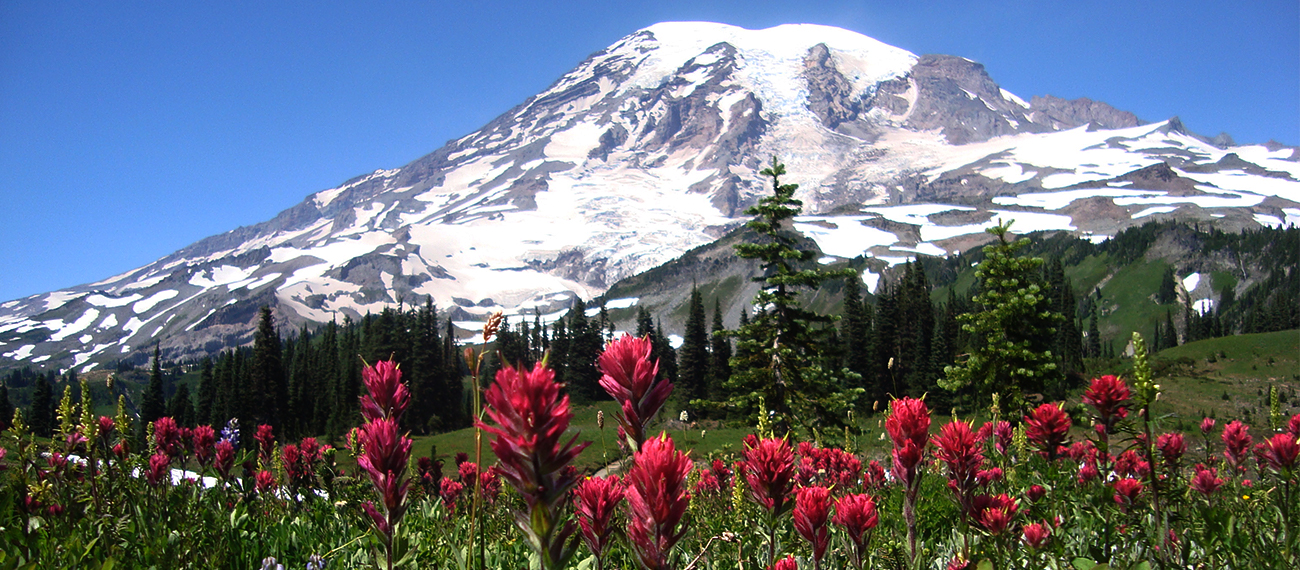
1127, 302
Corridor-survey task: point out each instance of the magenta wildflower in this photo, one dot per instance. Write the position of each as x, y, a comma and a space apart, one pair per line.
768, 467
1036, 534
993, 513
1127, 491
449, 491
1206, 481
787, 563
857, 515
265, 443
956, 447
1108, 395
909, 428
1280, 453
811, 512
1047, 426
158, 471
596, 500
167, 437
657, 499
204, 438
224, 458
1293, 426
387, 396
1237, 443
1172, 446
629, 376
531, 419
265, 481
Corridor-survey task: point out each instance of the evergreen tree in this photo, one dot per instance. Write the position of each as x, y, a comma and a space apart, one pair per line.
781, 340
181, 407
1171, 332
269, 388
693, 356
1016, 326
585, 347
6, 407
719, 354
661, 349
427, 379
207, 393
153, 403
856, 326
1168, 291
41, 415
1094, 335
644, 326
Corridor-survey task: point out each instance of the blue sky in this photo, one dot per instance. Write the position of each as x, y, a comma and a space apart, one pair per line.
129, 130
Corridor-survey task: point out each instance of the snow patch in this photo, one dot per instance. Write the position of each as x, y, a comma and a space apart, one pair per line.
1191, 281
145, 305
1269, 221
870, 280
82, 322
1154, 210
22, 353
624, 303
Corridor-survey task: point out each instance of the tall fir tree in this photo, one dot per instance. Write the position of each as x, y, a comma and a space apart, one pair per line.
181, 407
153, 403
719, 354
644, 325
40, 417
855, 327
269, 387
585, 347
203, 414
783, 338
1015, 329
1094, 335
693, 356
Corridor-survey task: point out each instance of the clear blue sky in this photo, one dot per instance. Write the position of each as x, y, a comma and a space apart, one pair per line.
131, 129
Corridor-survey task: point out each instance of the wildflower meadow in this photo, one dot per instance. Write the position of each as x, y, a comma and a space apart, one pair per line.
1005, 492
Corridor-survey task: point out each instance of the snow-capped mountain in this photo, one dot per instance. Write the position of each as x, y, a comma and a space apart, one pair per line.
651, 147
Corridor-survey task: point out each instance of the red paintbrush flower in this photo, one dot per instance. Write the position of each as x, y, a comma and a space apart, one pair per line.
657, 500
956, 446
106, 426
167, 437
1087, 472
387, 396
204, 438
629, 376
224, 458
384, 459
265, 438
1130, 464
1206, 481
1108, 395
856, 514
265, 480
596, 500
158, 469
1172, 446
909, 428
787, 563
1036, 493
449, 490
993, 513
1046, 427
812, 506
531, 419
707, 484
874, 475
769, 470
1293, 426
1237, 443
1280, 452
311, 450
1036, 534
828, 466
1127, 491
1207, 425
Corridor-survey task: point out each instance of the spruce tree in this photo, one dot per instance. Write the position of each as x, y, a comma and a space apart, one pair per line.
584, 348
855, 326
781, 341
153, 403
719, 354
6, 407
693, 356
41, 415
661, 349
644, 325
181, 407
1094, 335
1015, 329
203, 414
269, 388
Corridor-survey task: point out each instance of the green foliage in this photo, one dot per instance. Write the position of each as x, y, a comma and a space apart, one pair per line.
776, 356
1013, 331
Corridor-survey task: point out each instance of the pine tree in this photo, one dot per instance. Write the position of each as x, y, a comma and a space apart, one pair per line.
584, 348
207, 393
1168, 292
1016, 325
781, 341
856, 325
427, 378
153, 404
1094, 335
644, 326
41, 415
661, 350
6, 407
181, 407
719, 354
693, 356
269, 388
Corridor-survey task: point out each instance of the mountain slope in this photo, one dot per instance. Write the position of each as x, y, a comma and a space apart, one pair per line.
649, 148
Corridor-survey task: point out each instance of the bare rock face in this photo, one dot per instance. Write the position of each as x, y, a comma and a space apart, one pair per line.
1057, 113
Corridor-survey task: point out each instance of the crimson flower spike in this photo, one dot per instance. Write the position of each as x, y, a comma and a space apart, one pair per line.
531, 419
657, 500
857, 515
1047, 427
811, 510
769, 470
632, 379
956, 446
909, 427
596, 499
388, 396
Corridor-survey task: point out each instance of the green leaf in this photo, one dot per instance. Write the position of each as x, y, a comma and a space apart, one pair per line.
984, 564
1083, 564
1144, 565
